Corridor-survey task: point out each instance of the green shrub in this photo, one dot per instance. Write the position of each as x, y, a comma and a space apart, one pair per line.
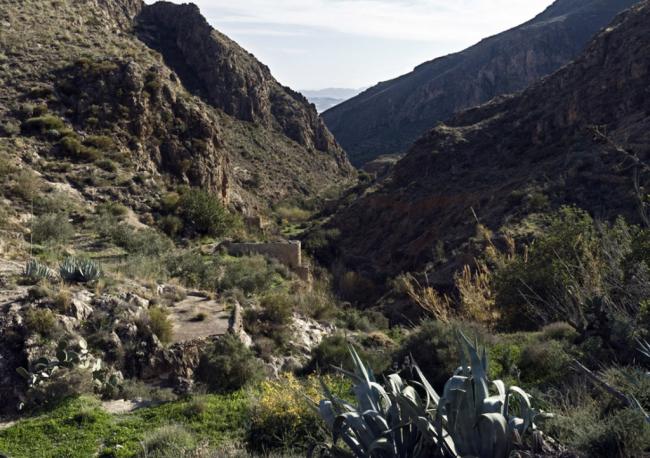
193, 270
203, 214
160, 324
251, 274
293, 214
61, 386
169, 202
281, 418
101, 142
52, 228
171, 225
228, 365
544, 362
26, 185
42, 321
441, 344
271, 320
62, 300
559, 331
361, 320
573, 263
317, 303
333, 352
42, 124
588, 429
72, 147
277, 308
113, 209
146, 242
168, 442
106, 165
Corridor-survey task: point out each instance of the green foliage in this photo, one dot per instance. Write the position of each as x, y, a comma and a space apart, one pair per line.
560, 331
101, 142
72, 147
281, 416
544, 362
228, 365
193, 269
361, 320
597, 428
52, 228
251, 274
333, 352
167, 442
277, 308
203, 214
573, 268
272, 319
74, 371
42, 124
146, 242
160, 324
59, 433
75, 270
171, 225
111, 209
41, 321
26, 185
106, 165
442, 352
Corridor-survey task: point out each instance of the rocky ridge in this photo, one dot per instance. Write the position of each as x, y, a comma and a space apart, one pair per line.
577, 137
389, 117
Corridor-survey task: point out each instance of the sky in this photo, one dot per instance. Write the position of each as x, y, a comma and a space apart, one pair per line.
315, 44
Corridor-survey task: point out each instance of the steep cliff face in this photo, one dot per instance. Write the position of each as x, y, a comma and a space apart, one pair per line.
580, 136
186, 107
389, 117
226, 76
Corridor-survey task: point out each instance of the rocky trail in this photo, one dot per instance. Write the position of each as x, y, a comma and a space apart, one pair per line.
198, 317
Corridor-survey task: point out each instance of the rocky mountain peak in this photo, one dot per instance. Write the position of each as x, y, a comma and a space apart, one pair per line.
226, 76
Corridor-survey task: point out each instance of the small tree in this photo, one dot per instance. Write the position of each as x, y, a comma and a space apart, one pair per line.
203, 214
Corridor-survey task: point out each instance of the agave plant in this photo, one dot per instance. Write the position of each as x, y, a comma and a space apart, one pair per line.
481, 423
402, 419
378, 425
79, 270
34, 271
66, 358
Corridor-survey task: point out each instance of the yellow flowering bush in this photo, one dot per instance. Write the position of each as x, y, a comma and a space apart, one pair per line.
281, 416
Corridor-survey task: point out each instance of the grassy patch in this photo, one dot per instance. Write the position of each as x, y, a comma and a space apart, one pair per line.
80, 428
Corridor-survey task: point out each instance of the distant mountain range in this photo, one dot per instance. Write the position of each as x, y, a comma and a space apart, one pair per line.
325, 99
390, 116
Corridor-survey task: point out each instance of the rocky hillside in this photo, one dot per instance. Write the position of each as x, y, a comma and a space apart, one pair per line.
389, 117
163, 97
580, 136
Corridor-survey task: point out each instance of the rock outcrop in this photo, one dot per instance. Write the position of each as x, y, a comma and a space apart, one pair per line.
174, 102
227, 77
580, 136
389, 117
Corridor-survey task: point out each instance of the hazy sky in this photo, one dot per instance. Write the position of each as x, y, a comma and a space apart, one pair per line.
313, 44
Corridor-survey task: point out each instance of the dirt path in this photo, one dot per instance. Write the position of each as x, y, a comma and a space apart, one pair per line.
196, 317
